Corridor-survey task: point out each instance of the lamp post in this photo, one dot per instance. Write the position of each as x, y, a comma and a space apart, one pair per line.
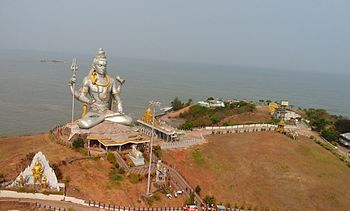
153, 104
74, 68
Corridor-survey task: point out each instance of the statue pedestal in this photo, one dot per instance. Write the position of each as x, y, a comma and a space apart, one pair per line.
137, 161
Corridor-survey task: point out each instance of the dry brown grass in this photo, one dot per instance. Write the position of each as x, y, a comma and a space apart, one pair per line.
266, 170
89, 179
260, 114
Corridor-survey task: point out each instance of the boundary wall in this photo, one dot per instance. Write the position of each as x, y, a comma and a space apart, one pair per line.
241, 128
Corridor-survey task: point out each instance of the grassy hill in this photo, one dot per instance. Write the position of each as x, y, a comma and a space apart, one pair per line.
266, 170
87, 178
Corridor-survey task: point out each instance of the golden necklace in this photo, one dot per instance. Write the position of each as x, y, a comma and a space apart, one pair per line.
93, 78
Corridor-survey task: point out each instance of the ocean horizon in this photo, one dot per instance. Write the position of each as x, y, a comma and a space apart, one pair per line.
35, 96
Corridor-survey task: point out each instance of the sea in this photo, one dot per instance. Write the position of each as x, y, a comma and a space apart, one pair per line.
34, 95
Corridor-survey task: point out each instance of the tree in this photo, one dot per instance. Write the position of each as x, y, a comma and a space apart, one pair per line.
177, 104
330, 134
189, 102
210, 98
343, 125
197, 189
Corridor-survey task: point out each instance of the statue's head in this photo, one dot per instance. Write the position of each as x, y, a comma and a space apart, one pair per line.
100, 62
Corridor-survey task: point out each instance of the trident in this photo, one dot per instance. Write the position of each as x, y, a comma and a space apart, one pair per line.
74, 68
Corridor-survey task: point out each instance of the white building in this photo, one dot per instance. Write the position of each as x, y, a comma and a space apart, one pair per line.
344, 139
288, 115
212, 103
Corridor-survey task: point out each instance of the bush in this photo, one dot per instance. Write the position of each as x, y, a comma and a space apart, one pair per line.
209, 199
134, 178
111, 158
190, 200
188, 125
121, 170
78, 143
197, 189
115, 177
158, 151
215, 119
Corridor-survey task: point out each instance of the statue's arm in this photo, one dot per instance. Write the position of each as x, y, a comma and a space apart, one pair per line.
81, 95
115, 93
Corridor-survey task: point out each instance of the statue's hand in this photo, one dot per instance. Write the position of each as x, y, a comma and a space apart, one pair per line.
120, 80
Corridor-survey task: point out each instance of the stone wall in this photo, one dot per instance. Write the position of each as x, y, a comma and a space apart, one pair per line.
14, 194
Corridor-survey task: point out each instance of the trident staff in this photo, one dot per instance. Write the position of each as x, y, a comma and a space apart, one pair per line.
74, 68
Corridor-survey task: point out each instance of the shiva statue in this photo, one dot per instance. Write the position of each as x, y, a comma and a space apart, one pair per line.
99, 95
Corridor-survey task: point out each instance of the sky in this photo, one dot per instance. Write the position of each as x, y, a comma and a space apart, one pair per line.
309, 35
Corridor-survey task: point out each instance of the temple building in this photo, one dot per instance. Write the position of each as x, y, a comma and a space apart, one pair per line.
108, 136
161, 130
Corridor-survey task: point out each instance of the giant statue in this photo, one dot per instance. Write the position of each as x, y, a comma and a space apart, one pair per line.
99, 95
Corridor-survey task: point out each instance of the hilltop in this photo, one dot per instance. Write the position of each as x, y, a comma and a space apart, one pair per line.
265, 169
88, 179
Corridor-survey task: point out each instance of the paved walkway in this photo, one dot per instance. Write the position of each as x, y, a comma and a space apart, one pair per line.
143, 170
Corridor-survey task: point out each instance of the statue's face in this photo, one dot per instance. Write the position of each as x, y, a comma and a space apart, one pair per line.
101, 67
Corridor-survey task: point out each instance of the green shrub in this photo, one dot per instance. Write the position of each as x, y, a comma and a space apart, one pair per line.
78, 143
215, 118
158, 151
188, 125
190, 200
209, 199
134, 178
111, 158
197, 189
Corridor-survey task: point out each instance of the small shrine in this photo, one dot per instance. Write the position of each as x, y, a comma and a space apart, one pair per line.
136, 156
161, 173
161, 130
38, 175
281, 127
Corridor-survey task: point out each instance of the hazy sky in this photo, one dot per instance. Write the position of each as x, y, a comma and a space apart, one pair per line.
290, 34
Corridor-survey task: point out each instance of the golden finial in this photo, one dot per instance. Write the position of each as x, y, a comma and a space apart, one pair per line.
148, 116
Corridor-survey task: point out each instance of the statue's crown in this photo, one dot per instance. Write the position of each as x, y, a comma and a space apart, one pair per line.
101, 54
